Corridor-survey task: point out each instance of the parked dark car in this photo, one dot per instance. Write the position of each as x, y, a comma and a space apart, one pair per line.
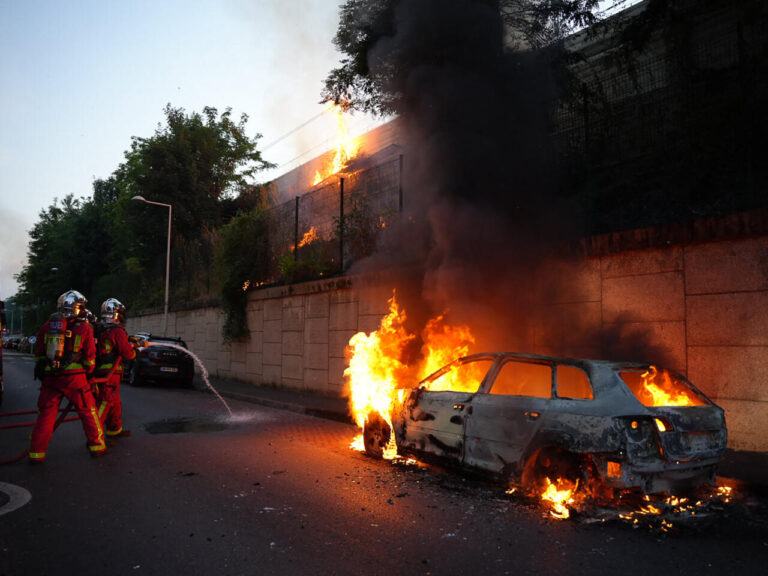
160, 360
520, 416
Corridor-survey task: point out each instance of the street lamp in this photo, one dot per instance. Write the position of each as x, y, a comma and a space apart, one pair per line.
167, 256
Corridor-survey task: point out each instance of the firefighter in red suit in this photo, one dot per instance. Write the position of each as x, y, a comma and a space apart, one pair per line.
113, 349
64, 355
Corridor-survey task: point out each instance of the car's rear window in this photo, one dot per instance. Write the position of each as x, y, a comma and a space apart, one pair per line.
659, 387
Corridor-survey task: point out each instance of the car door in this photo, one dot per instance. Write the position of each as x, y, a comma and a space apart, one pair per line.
434, 415
506, 416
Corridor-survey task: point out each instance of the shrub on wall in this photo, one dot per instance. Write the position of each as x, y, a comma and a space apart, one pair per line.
242, 260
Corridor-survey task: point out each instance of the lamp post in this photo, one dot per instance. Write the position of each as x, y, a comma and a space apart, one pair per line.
167, 257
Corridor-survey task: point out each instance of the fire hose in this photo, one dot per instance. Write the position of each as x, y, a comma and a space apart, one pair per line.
62, 416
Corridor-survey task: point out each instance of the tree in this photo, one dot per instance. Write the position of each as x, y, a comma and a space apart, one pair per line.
68, 249
193, 162
196, 162
376, 66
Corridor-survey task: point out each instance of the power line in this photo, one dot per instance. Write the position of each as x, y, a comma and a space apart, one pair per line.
294, 130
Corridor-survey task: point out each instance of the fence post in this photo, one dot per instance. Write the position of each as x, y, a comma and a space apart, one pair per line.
341, 224
400, 186
296, 232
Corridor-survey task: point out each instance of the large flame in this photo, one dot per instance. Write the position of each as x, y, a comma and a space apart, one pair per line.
375, 366
347, 147
377, 376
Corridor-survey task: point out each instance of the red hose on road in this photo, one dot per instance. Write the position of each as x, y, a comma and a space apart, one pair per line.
59, 420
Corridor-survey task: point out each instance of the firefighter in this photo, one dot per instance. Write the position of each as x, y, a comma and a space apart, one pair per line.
64, 355
112, 349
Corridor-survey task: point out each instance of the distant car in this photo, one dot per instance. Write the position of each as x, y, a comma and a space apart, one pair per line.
523, 417
159, 361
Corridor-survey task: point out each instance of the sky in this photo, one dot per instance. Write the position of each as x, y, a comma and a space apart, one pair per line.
79, 78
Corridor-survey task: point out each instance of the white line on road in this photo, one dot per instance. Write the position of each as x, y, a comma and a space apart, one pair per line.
18, 497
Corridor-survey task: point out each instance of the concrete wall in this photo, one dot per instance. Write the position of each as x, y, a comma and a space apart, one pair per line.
704, 307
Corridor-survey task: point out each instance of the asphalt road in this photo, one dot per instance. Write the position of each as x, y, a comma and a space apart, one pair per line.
274, 492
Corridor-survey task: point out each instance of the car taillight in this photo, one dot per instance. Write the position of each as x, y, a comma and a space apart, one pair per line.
642, 437
663, 425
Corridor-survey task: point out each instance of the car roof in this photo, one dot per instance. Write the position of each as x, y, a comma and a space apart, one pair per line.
631, 365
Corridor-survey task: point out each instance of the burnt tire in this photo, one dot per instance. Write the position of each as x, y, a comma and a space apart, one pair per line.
376, 435
554, 463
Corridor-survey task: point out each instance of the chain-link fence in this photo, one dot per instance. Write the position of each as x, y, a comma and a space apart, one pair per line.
323, 231
669, 132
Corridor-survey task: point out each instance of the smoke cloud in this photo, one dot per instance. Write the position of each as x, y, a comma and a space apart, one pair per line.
485, 215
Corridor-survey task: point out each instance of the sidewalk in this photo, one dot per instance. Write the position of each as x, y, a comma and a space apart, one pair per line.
749, 468
329, 407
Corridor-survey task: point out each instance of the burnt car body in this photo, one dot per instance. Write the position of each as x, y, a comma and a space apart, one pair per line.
159, 361
521, 416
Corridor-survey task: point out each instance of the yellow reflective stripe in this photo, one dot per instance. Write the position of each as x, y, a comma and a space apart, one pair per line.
102, 407
37, 455
114, 432
100, 439
76, 345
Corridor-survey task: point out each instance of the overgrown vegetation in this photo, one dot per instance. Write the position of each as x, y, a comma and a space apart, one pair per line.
242, 259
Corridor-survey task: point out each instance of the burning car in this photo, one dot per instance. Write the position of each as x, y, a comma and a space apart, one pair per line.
526, 417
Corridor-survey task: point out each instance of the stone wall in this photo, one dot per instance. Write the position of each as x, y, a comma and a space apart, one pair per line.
704, 306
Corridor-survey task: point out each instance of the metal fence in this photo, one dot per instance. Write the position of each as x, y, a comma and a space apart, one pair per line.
669, 132
323, 231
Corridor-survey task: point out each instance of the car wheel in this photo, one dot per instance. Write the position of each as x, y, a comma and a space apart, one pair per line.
133, 376
553, 463
376, 435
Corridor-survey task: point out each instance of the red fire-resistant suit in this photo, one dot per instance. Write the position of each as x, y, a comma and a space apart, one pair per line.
112, 348
68, 381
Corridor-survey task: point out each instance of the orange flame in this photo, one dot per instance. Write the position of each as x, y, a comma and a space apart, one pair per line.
559, 495
347, 147
375, 367
377, 376
309, 237
663, 391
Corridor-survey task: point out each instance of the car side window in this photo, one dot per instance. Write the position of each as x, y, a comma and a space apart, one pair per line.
465, 377
524, 379
573, 382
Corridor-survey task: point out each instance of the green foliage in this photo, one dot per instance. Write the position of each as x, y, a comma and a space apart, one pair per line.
68, 249
242, 260
314, 261
110, 246
359, 228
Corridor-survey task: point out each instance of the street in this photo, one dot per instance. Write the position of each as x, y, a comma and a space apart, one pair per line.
275, 492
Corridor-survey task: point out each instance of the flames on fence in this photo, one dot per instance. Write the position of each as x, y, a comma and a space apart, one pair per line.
347, 147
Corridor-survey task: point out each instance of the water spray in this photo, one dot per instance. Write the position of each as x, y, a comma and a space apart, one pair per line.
202, 369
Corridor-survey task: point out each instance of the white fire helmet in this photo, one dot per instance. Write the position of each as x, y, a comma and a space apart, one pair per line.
113, 311
71, 304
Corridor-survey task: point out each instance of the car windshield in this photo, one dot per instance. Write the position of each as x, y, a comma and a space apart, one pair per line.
659, 387
459, 377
